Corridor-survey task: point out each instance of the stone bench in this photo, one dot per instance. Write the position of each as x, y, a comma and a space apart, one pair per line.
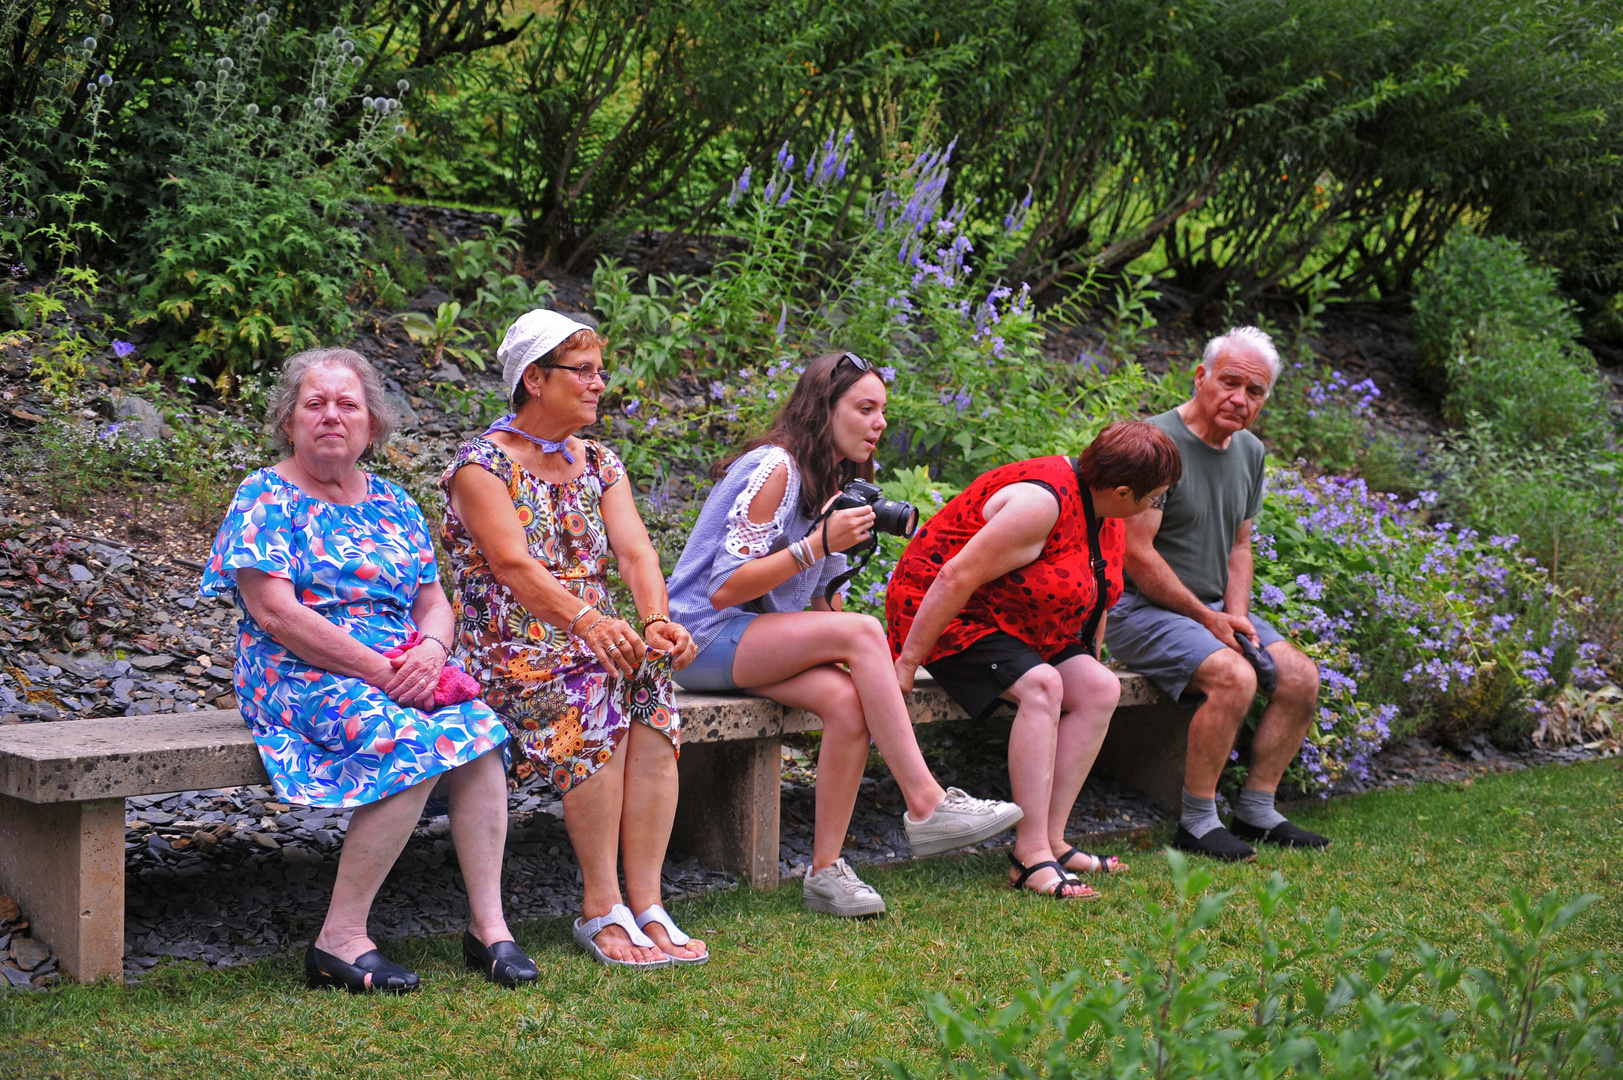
63, 785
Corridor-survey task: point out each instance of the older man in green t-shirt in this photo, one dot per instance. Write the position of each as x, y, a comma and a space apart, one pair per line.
1185, 620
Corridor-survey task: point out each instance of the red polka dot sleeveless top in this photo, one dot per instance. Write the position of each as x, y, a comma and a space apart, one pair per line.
1044, 603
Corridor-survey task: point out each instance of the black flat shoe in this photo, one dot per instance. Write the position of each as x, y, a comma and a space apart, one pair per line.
1284, 834
1217, 844
503, 963
369, 973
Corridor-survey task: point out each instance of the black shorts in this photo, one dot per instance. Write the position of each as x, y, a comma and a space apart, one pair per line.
977, 676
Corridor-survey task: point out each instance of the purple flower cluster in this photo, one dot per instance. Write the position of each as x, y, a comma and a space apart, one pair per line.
1404, 617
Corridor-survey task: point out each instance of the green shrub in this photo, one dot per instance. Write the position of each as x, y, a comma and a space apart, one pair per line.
1497, 338
1565, 505
1317, 1002
254, 252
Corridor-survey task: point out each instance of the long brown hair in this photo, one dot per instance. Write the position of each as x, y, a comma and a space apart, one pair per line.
804, 428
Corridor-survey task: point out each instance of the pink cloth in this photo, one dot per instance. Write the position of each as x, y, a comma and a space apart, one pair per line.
455, 685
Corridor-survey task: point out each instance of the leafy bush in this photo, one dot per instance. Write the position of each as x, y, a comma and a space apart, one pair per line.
1414, 626
1566, 506
254, 255
1497, 338
144, 53
1316, 1004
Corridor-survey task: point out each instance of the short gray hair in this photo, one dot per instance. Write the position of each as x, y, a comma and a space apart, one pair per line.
1248, 337
297, 366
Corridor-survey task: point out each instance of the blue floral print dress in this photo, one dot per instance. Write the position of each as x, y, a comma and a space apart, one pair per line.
328, 739
565, 711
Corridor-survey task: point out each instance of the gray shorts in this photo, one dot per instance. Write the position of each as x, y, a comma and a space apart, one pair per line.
1164, 646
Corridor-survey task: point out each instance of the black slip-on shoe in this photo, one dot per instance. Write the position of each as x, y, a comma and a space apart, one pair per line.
371, 972
1284, 835
503, 963
1217, 844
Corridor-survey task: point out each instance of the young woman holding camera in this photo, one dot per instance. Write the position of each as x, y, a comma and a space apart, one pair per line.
750, 588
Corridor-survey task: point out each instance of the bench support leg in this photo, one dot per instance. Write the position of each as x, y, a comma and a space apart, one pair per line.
728, 811
64, 863
1145, 749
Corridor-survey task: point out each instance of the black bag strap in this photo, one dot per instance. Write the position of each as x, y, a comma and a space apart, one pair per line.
1101, 572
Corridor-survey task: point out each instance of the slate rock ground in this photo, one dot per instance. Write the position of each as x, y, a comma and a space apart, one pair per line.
25, 962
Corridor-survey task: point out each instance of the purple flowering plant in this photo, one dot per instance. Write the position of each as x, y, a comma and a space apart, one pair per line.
875, 260
1416, 625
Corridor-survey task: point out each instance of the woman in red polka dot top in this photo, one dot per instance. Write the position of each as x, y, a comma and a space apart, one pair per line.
992, 597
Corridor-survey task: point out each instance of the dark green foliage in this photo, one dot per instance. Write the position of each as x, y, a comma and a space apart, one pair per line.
1497, 338
148, 49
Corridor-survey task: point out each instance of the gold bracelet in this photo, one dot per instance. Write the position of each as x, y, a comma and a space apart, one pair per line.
658, 616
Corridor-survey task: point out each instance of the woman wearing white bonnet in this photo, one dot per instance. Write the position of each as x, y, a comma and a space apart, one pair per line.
585, 693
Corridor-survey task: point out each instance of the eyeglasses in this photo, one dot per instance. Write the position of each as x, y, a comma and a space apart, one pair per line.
856, 361
1159, 502
586, 375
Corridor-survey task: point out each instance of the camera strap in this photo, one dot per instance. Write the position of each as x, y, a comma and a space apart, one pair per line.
858, 567
1101, 573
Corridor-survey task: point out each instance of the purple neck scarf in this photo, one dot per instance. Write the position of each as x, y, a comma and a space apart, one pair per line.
547, 446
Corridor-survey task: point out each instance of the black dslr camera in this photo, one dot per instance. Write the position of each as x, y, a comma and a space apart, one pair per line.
890, 516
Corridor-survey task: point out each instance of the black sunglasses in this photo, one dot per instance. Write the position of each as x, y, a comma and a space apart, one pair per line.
856, 361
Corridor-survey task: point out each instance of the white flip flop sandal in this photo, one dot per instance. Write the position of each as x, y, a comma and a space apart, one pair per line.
656, 913
619, 915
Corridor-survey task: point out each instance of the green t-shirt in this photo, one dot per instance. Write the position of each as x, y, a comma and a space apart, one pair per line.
1219, 489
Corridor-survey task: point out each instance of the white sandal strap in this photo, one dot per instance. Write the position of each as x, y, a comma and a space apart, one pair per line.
619, 915
656, 913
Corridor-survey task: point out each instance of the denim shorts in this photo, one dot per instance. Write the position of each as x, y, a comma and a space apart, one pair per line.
712, 669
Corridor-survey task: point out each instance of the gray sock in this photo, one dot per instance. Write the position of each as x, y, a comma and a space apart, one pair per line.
1199, 815
1257, 808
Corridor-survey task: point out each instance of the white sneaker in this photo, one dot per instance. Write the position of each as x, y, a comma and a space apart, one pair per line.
958, 822
836, 890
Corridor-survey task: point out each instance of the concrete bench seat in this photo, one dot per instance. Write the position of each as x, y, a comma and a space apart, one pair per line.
63, 785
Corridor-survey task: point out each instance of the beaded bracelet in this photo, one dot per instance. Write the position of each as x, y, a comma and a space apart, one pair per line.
657, 616
570, 629
601, 619
443, 646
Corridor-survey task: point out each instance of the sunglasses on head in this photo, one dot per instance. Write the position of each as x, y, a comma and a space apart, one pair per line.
856, 361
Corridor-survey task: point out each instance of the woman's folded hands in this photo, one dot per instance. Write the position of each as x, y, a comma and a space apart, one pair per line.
416, 675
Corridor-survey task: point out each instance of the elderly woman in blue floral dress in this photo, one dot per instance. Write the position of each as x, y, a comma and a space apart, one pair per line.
332, 569
533, 515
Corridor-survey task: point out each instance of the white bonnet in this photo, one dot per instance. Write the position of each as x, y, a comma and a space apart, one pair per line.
532, 335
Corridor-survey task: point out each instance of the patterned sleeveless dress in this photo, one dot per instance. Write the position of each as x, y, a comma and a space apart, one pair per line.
1044, 603
565, 711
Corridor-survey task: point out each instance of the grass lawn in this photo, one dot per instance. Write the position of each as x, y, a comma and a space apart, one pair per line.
791, 992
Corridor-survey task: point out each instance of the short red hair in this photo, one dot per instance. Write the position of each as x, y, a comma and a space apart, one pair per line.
1130, 453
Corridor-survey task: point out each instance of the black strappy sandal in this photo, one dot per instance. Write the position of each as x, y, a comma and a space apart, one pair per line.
1108, 864
1055, 890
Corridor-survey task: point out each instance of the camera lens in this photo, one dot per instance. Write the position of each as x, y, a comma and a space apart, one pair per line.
895, 518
